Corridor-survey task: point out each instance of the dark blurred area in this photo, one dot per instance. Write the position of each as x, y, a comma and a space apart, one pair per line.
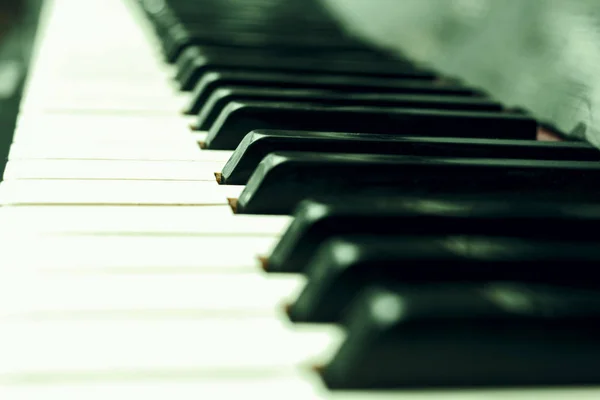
10, 13
542, 55
18, 24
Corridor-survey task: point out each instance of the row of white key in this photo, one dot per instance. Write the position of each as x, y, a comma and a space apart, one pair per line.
114, 300
121, 295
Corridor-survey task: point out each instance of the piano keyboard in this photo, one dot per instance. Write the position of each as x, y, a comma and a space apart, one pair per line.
127, 274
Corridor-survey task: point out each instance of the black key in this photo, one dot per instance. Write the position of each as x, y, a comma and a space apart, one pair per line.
469, 336
185, 61
283, 179
251, 25
215, 105
204, 61
341, 83
180, 37
240, 118
256, 145
343, 266
315, 222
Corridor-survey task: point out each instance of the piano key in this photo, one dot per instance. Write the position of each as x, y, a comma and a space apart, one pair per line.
284, 179
132, 150
209, 59
111, 170
257, 144
107, 127
117, 96
148, 220
217, 80
113, 192
131, 254
314, 222
93, 102
240, 118
221, 97
374, 62
179, 39
183, 345
342, 266
493, 335
74, 296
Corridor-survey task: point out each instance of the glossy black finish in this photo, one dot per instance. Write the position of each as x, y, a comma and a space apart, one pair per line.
180, 37
469, 336
196, 61
379, 217
215, 105
256, 145
341, 83
343, 266
242, 24
240, 118
284, 179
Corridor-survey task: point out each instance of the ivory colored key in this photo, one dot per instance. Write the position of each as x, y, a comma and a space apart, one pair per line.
68, 295
130, 99
86, 126
135, 345
115, 150
165, 254
149, 220
115, 192
113, 169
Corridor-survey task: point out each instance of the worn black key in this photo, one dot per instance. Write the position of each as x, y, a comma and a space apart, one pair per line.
342, 266
193, 67
256, 145
342, 83
240, 118
222, 97
493, 335
314, 222
283, 179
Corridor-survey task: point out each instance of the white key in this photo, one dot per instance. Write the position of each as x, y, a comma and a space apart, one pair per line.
72, 192
215, 220
81, 254
97, 296
113, 169
129, 101
85, 127
176, 345
115, 150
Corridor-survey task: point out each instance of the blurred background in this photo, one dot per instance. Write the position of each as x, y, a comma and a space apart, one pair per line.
18, 23
540, 54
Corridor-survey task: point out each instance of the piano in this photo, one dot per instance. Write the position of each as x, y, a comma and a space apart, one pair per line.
207, 199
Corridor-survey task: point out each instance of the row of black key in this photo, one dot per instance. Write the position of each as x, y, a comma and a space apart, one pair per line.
485, 277
437, 292
320, 88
